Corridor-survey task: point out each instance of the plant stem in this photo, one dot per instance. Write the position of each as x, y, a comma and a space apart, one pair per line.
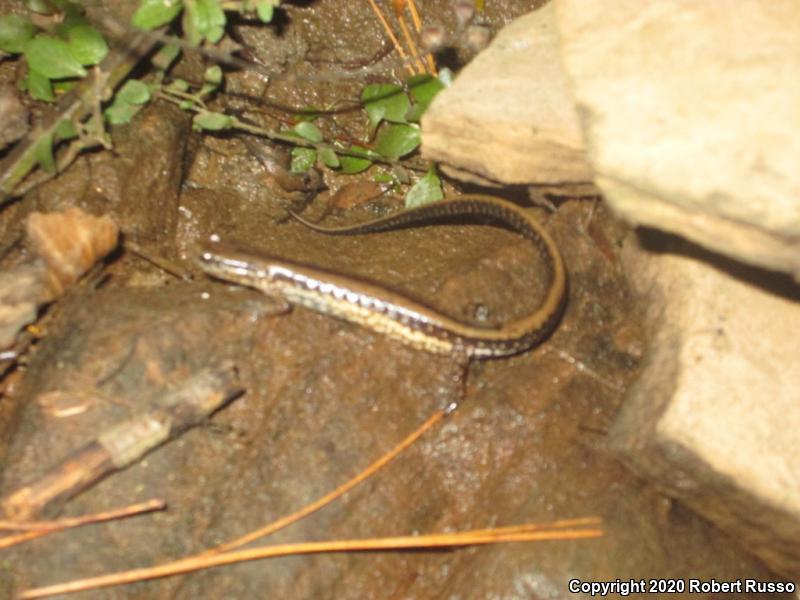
76, 105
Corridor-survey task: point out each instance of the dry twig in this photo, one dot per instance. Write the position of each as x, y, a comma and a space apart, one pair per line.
121, 445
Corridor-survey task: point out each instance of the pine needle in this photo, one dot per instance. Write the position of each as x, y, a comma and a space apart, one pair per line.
521, 533
392, 36
37, 529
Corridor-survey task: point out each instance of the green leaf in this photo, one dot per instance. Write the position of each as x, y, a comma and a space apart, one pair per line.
397, 140
308, 131
127, 102
44, 154
52, 58
178, 85
265, 10
423, 89
212, 121
428, 189
165, 56
39, 86
15, 31
415, 113
207, 89
213, 75
121, 113
214, 34
155, 13
214, 14
329, 158
133, 91
355, 164
385, 101
87, 44
66, 130
203, 19
212, 78
72, 15
192, 24
362, 152
303, 159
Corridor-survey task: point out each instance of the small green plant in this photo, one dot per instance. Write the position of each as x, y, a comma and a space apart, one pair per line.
201, 19
58, 56
389, 109
393, 112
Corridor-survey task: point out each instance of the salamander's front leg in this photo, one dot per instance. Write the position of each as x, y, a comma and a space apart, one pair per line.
276, 305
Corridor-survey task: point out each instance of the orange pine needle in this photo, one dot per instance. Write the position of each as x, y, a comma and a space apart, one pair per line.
391, 35
564, 529
36, 529
19, 538
418, 542
398, 6
412, 8
328, 498
410, 41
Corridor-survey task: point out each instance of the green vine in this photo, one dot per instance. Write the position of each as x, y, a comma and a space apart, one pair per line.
58, 57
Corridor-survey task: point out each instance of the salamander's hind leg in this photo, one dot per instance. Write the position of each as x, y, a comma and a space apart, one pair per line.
459, 369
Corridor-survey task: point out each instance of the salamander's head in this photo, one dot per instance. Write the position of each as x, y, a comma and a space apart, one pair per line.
230, 262
237, 263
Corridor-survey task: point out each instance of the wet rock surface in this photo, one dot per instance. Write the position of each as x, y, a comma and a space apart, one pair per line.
323, 399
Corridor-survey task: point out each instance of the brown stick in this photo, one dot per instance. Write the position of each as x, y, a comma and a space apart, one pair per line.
169, 415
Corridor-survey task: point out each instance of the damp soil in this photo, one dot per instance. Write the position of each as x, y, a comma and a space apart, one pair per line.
324, 398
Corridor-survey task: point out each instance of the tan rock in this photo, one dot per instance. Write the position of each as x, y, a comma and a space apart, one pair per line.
714, 417
508, 118
691, 112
